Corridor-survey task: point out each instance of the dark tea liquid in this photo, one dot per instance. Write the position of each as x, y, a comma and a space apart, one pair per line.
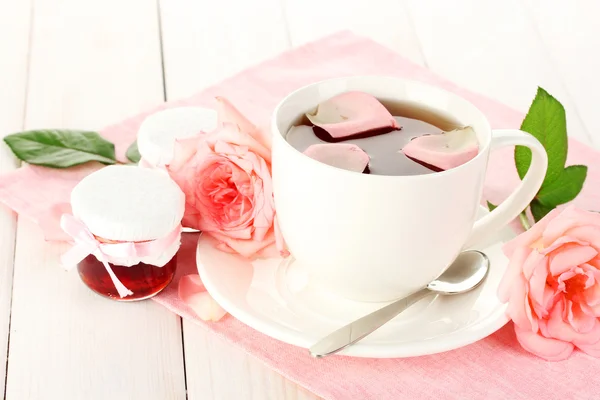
385, 150
142, 279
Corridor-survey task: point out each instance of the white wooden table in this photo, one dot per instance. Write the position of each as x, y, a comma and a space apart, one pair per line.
88, 63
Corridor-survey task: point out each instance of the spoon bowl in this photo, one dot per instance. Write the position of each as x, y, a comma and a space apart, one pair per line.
466, 273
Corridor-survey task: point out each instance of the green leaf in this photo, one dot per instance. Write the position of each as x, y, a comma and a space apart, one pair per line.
60, 148
546, 121
538, 210
491, 207
133, 154
565, 188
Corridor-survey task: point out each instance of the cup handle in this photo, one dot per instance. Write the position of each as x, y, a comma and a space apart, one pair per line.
522, 196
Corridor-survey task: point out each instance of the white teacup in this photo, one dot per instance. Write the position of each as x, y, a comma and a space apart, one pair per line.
375, 237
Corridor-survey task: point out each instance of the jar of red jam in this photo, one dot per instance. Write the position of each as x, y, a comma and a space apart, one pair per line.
126, 231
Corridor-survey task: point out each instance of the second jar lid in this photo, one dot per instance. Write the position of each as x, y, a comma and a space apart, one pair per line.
128, 203
157, 134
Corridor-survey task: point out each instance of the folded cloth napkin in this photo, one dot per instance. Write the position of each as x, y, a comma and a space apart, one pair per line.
493, 368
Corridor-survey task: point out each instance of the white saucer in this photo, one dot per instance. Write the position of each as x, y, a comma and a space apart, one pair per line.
275, 297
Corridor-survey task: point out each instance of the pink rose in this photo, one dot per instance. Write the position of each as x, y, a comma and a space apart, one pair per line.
226, 177
552, 284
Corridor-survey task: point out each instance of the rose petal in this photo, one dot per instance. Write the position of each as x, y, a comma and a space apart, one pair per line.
183, 151
591, 310
224, 247
231, 134
566, 276
189, 285
270, 251
569, 255
561, 241
193, 293
569, 218
529, 237
592, 294
591, 349
340, 155
513, 275
245, 247
587, 233
531, 316
538, 288
591, 275
549, 299
559, 329
445, 151
351, 114
547, 348
264, 203
228, 114
580, 321
518, 305
534, 261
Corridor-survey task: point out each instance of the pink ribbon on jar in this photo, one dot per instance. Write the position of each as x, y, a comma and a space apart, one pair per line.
85, 243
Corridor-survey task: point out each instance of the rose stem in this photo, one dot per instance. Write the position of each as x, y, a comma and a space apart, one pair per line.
524, 221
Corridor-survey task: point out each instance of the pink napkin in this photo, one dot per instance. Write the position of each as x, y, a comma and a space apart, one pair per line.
493, 368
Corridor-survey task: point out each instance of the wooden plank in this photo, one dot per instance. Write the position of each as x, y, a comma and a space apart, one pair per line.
202, 44
492, 48
385, 21
211, 362
92, 63
14, 46
206, 42
570, 33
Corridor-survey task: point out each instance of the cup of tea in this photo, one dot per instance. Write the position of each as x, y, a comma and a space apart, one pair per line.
378, 237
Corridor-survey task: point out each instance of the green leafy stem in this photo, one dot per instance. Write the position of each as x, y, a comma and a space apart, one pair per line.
546, 121
56, 148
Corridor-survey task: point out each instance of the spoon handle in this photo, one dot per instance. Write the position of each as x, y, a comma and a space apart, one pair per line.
355, 331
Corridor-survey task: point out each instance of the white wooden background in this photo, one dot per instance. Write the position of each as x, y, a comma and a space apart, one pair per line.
88, 63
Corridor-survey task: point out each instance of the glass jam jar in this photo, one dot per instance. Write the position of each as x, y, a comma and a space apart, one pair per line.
126, 228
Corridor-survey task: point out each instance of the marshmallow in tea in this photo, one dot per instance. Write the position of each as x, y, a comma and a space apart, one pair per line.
126, 230
159, 131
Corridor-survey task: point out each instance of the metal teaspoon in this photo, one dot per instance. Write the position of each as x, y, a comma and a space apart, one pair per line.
466, 273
